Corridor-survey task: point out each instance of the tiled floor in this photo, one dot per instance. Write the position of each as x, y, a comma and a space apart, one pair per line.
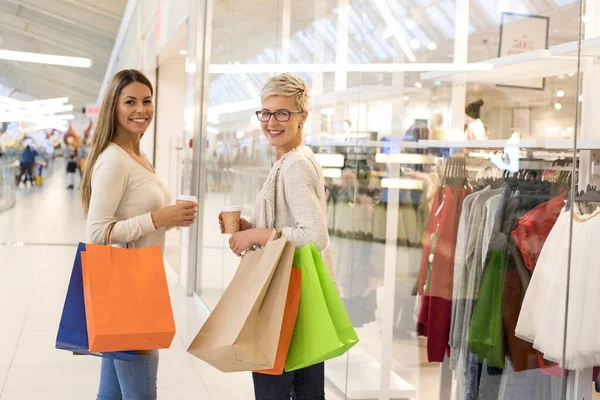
37, 244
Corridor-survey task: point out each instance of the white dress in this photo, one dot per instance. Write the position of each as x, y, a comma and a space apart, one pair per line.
542, 316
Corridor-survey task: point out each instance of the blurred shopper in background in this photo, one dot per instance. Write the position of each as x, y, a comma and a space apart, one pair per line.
121, 192
71, 169
27, 160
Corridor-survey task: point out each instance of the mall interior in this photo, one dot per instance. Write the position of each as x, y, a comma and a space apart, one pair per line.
460, 145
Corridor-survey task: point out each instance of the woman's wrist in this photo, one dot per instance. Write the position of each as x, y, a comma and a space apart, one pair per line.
262, 236
156, 219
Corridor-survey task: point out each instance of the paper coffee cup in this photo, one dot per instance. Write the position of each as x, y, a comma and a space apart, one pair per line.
231, 218
184, 197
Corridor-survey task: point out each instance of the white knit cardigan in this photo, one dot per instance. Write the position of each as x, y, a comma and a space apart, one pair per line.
292, 201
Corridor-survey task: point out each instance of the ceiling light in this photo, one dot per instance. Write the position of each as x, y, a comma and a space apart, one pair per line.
560, 93
418, 85
432, 46
410, 24
406, 98
45, 59
376, 67
561, 76
558, 106
403, 158
333, 173
415, 44
183, 52
334, 160
571, 73
402, 183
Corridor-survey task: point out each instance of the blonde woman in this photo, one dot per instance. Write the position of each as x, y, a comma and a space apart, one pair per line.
121, 188
292, 201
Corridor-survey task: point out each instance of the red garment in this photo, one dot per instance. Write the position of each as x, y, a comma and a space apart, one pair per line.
435, 277
530, 236
534, 227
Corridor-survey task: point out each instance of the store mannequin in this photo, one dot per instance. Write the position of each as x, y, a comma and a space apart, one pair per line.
438, 131
475, 128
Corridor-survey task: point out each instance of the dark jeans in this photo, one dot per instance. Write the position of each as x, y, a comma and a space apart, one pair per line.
303, 384
27, 171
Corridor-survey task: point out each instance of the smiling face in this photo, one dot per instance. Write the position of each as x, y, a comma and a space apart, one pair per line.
283, 136
134, 109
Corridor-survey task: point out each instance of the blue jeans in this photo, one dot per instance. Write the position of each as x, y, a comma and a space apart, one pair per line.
124, 380
303, 384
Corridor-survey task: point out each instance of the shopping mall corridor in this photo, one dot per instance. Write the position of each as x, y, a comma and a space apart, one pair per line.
37, 243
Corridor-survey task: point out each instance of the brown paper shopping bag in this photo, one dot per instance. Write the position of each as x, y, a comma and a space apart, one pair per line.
242, 332
127, 301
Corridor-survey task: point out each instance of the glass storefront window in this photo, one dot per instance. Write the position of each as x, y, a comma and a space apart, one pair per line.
445, 132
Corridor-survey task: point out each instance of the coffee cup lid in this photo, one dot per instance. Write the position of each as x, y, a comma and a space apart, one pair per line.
185, 197
230, 208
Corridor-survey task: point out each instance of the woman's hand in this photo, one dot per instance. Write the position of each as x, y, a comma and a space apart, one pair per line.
181, 214
243, 240
244, 225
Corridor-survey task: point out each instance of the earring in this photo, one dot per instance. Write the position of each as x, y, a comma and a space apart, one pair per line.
300, 126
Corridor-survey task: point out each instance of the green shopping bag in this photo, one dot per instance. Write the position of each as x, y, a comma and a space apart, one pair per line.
323, 328
486, 333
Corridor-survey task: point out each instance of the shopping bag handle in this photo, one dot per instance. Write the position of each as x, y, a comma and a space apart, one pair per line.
274, 235
108, 236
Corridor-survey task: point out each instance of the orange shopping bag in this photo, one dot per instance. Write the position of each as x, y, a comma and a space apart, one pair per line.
289, 322
127, 303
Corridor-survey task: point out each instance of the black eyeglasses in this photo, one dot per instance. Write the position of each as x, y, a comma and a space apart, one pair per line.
281, 115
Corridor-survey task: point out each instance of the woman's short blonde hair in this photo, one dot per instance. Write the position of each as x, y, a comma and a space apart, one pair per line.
287, 85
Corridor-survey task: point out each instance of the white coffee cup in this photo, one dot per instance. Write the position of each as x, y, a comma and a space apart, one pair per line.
185, 197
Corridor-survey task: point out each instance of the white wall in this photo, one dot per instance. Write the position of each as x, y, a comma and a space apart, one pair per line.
169, 121
152, 26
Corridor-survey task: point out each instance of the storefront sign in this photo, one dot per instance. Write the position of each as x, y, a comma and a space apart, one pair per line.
520, 33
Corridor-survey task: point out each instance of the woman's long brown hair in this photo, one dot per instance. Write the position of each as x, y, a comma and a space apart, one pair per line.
107, 125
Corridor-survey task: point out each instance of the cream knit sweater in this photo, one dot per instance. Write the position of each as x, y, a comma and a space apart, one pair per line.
124, 191
292, 201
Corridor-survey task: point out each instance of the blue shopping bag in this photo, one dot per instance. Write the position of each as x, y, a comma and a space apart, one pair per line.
72, 331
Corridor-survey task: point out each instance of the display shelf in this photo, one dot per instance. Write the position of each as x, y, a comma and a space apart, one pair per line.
359, 374
567, 144
412, 145
514, 68
483, 144
589, 47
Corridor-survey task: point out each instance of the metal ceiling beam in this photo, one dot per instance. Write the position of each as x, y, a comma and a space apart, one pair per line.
67, 16
80, 83
31, 22
42, 89
95, 9
73, 47
65, 74
20, 42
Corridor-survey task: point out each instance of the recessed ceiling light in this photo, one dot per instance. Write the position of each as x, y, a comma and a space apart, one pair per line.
561, 76
410, 24
571, 73
183, 52
560, 93
406, 98
432, 46
558, 106
415, 44
418, 85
